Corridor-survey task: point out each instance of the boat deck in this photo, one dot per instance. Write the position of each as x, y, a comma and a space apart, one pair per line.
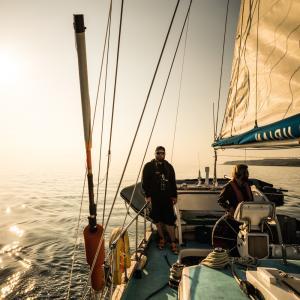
153, 283
155, 275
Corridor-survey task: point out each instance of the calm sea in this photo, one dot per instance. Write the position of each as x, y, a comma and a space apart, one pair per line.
39, 216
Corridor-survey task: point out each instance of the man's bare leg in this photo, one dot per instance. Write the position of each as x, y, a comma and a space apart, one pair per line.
171, 232
161, 243
160, 230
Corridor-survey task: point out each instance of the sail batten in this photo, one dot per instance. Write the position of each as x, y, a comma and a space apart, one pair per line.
265, 81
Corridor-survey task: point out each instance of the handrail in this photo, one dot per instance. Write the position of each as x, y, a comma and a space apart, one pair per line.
114, 242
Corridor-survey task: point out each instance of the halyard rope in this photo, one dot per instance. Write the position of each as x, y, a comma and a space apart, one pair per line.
179, 91
221, 71
113, 107
107, 37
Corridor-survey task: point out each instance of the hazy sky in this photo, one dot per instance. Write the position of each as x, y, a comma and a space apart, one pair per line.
40, 115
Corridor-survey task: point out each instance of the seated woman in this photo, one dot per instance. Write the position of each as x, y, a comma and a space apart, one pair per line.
236, 190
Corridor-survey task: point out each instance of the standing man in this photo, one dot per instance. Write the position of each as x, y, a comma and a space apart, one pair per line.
160, 189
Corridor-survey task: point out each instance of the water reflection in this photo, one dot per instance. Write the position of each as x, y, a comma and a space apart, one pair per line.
12, 281
30, 287
47, 226
15, 229
10, 248
26, 263
13, 266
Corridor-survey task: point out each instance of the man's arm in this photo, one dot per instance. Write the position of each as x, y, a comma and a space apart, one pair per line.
146, 180
173, 186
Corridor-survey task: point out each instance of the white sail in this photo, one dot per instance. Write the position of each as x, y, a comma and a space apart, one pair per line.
265, 80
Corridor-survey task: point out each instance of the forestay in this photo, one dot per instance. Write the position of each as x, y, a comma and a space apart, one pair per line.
263, 105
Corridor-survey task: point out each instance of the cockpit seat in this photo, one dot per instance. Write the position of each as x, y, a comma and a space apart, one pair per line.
254, 214
252, 241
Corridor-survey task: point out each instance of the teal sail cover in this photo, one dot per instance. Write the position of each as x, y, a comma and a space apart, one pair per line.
284, 130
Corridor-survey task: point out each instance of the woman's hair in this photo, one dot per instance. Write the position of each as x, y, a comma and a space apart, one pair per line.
239, 171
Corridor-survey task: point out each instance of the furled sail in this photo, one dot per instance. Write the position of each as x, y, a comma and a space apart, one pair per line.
263, 104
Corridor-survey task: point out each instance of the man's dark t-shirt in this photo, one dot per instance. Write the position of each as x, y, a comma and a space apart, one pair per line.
159, 183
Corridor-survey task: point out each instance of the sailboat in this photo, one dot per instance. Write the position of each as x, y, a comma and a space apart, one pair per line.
263, 111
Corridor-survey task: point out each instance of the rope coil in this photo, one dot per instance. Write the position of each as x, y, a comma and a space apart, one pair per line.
217, 259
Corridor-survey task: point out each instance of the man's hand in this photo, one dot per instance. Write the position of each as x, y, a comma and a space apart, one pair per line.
174, 200
148, 200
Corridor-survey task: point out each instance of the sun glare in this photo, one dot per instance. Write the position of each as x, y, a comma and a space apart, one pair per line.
10, 68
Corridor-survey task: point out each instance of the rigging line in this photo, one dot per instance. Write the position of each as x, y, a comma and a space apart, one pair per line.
103, 109
179, 92
277, 28
236, 64
282, 57
238, 67
252, 9
107, 37
158, 110
256, 63
221, 71
113, 109
76, 239
108, 159
142, 114
137, 129
290, 86
245, 35
274, 47
235, 71
214, 123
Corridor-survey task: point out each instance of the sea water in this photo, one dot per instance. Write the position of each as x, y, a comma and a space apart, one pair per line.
42, 215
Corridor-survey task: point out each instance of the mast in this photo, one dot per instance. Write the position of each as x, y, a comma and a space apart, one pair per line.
86, 112
93, 232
